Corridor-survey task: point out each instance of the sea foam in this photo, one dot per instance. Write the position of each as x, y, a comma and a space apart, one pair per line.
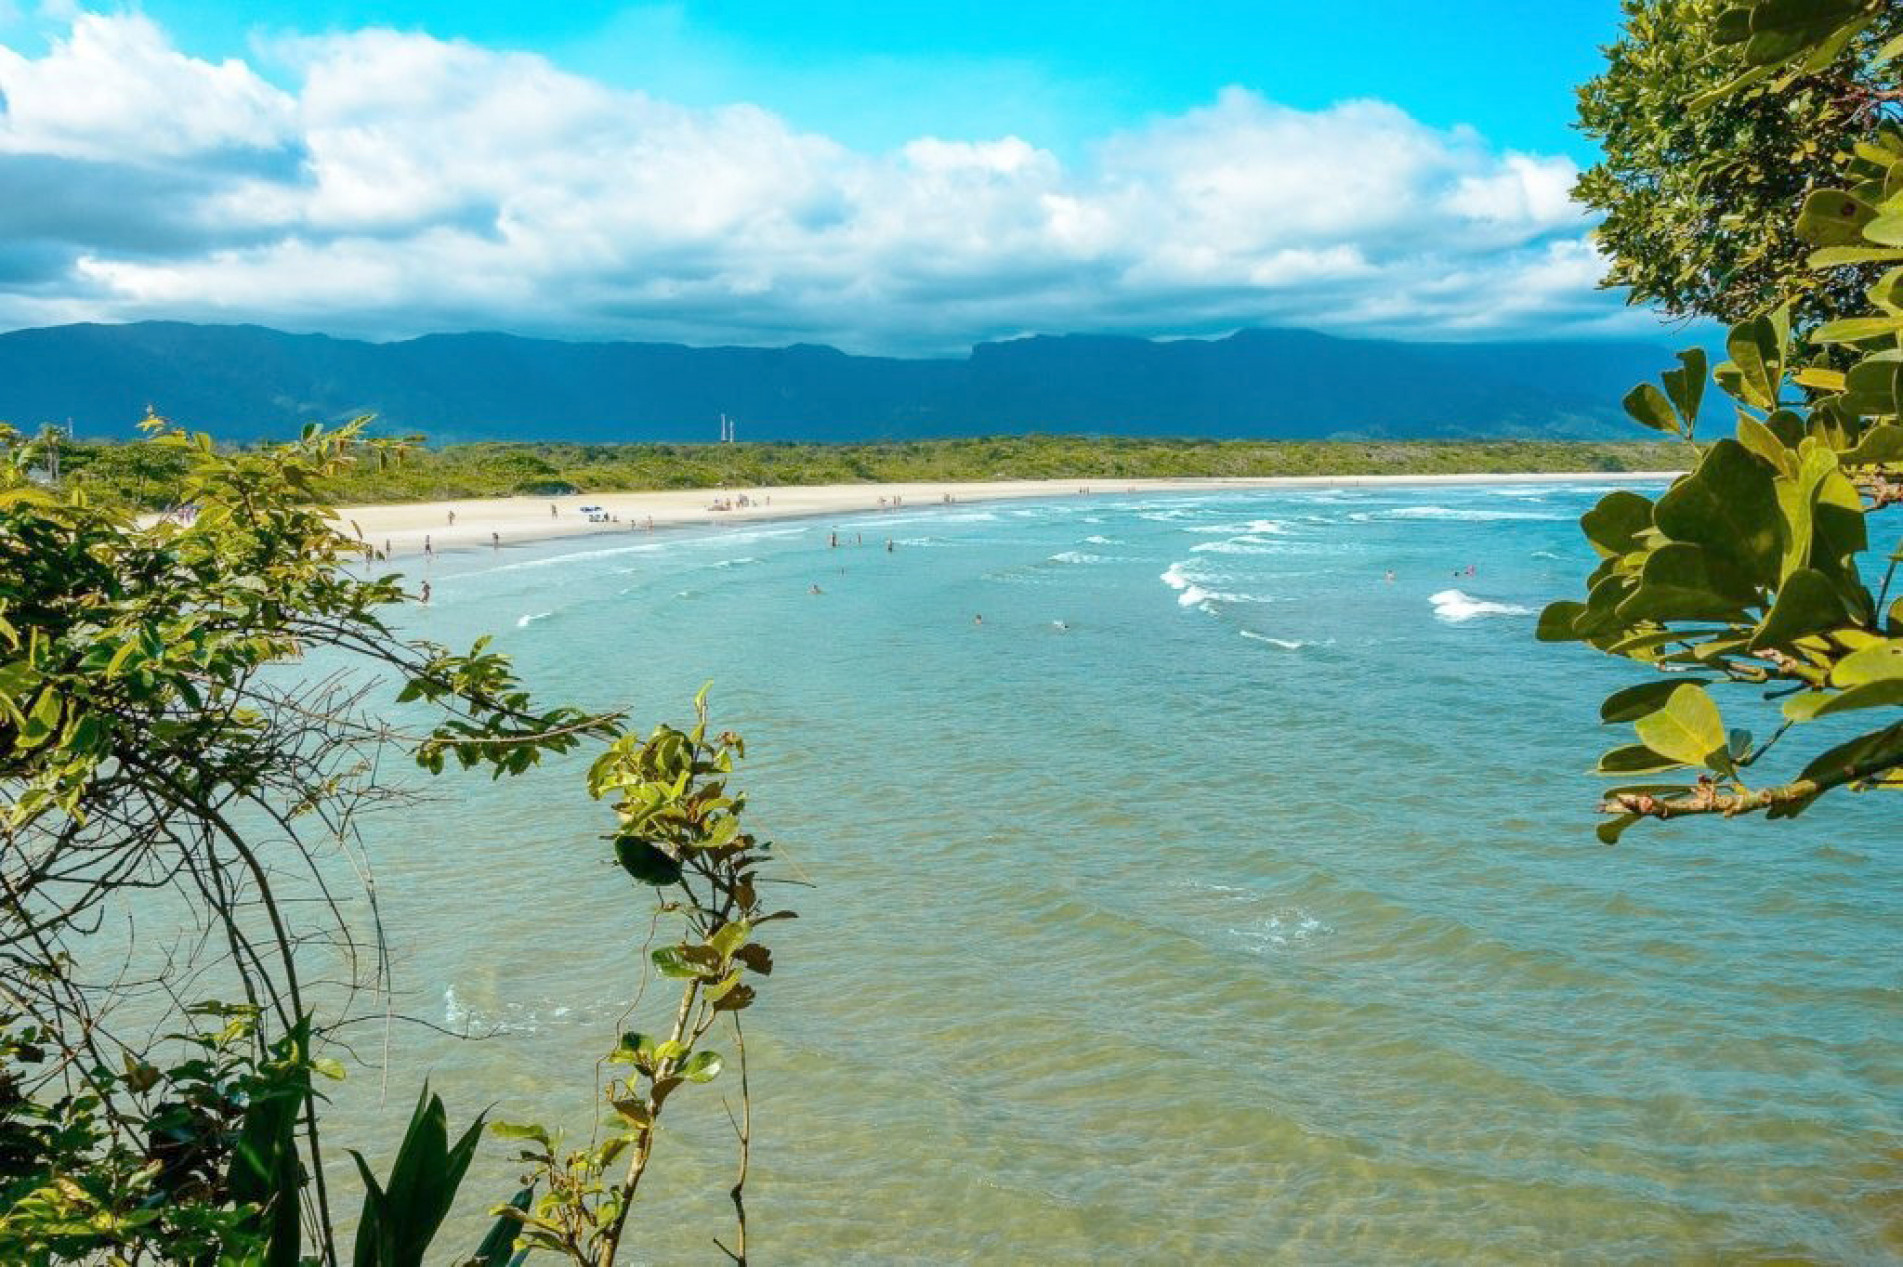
1457, 605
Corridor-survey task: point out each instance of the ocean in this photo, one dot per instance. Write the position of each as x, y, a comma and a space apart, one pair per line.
1214, 899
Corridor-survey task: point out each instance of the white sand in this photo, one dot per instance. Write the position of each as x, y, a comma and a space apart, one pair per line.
407, 526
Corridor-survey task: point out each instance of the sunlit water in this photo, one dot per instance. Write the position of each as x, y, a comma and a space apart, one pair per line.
1215, 900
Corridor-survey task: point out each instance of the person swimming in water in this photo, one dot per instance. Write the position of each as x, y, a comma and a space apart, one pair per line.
815, 589
423, 597
977, 620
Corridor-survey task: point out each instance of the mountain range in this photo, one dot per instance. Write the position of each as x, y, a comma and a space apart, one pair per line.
244, 382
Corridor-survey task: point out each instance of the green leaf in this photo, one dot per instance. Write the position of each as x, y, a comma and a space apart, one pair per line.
646, 861
1806, 603
1838, 256
730, 938
1635, 758
1877, 663
1635, 702
1613, 524
1688, 729
703, 1066
1882, 693
1886, 230
1648, 407
498, 1247
1613, 828
1856, 329
1830, 217
1556, 622
1729, 507
671, 962
522, 1130
1679, 582
1686, 385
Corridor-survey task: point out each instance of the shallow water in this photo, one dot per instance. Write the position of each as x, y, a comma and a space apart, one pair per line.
1214, 900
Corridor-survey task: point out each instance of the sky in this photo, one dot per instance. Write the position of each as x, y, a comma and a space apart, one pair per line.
902, 179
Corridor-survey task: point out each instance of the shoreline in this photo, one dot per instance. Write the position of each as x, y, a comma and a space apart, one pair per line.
404, 528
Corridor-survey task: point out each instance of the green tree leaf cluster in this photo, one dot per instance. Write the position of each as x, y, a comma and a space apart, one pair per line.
1713, 131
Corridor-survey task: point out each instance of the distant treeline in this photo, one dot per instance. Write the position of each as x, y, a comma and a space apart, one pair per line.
149, 477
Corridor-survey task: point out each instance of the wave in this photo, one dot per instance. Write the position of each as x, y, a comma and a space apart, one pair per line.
1456, 605
1074, 556
1257, 527
734, 563
1456, 514
1101, 541
1240, 545
531, 618
1190, 592
1287, 644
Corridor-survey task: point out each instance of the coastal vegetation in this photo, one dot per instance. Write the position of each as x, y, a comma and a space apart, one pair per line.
150, 478
1749, 573
196, 716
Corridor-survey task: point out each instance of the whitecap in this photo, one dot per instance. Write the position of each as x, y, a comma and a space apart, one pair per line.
525, 621
1101, 541
734, 563
1456, 605
1465, 515
1074, 556
1287, 644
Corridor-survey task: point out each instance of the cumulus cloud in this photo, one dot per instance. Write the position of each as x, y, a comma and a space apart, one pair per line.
387, 184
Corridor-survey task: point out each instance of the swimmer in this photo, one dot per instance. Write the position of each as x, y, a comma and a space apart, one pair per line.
832, 542
977, 620
888, 545
815, 589
1390, 575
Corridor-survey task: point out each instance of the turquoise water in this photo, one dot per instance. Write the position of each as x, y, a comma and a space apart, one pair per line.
1215, 900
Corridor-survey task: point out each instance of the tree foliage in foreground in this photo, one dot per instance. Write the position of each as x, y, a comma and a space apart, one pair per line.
1702, 175
180, 797
1749, 572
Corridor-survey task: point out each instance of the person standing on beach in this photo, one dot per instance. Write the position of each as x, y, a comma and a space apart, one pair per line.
452, 519
551, 510
495, 539
429, 551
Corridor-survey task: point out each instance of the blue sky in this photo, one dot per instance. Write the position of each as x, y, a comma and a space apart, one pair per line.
1059, 71
902, 177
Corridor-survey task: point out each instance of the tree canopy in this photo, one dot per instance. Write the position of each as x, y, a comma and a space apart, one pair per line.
1700, 186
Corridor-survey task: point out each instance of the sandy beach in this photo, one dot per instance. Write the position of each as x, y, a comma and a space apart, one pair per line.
406, 528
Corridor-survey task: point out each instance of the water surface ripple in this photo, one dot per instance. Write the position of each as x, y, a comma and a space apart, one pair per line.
1215, 900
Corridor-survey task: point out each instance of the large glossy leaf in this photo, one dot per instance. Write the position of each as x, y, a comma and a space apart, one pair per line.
1686, 385
1882, 661
1612, 525
1807, 603
1831, 217
1728, 506
1756, 349
1556, 622
1635, 702
1688, 729
1679, 582
1636, 758
1648, 407
1884, 693
1856, 329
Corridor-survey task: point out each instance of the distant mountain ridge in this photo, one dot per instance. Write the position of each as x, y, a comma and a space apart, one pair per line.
248, 382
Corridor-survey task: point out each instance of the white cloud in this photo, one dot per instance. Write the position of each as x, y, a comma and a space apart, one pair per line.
402, 183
